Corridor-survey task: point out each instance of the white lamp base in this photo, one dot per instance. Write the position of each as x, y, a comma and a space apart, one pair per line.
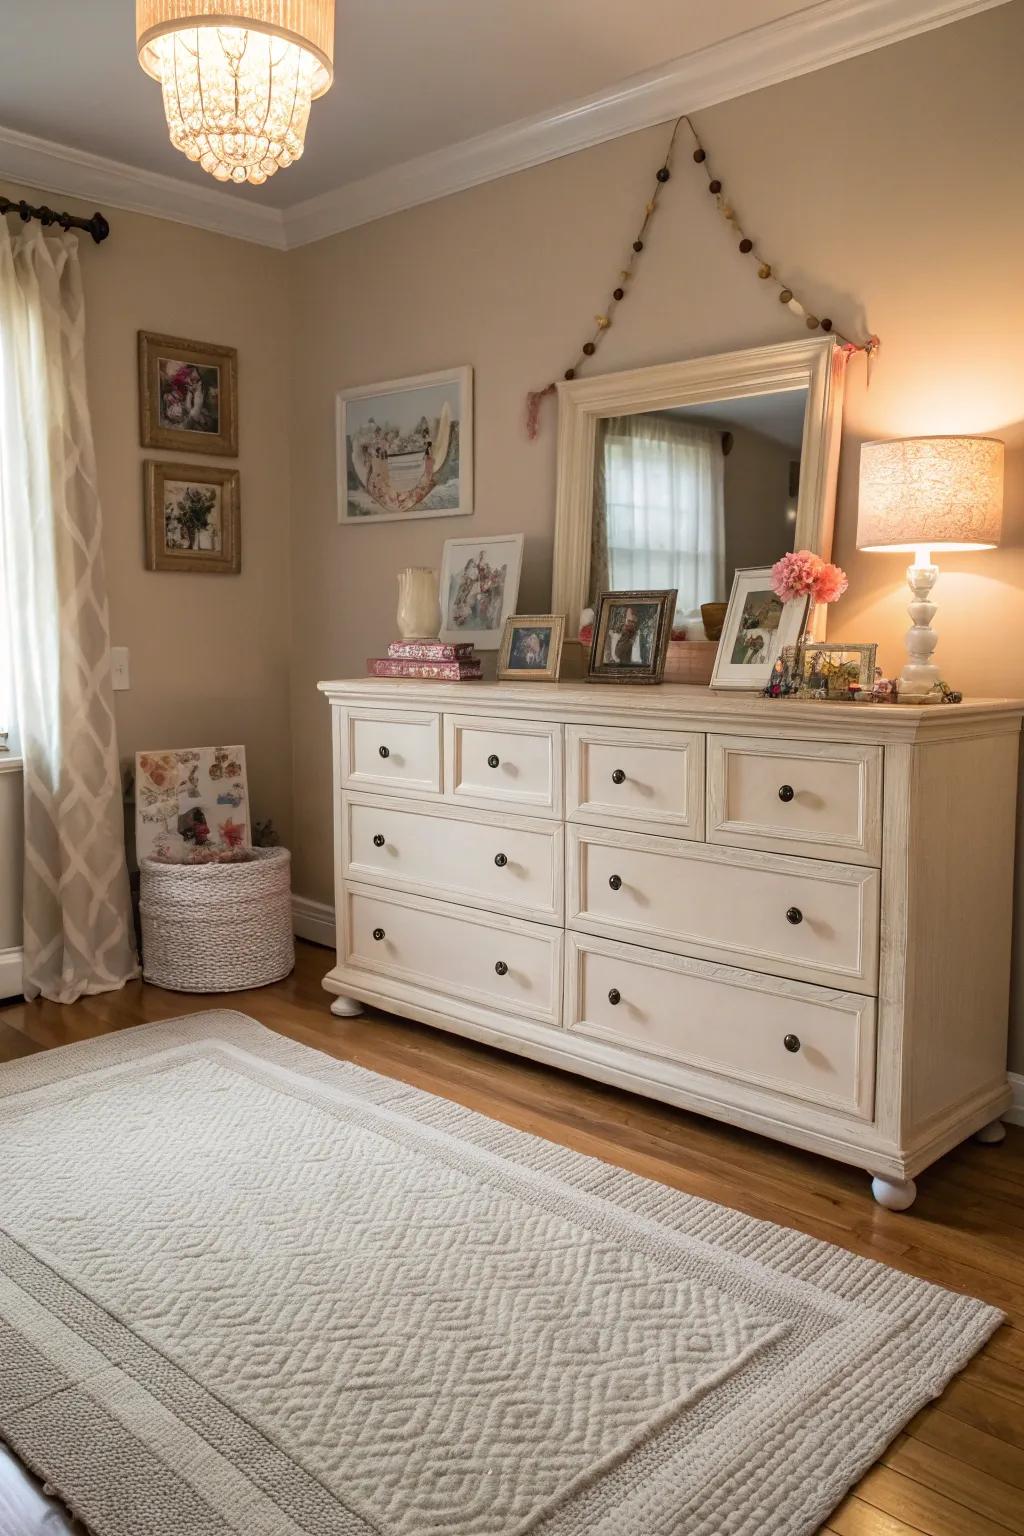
919, 680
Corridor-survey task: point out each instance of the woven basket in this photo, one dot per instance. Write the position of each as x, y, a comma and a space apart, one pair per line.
217, 927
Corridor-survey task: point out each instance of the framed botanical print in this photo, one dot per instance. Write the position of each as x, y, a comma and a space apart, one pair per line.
405, 448
531, 647
631, 635
479, 588
823, 671
757, 626
188, 395
193, 518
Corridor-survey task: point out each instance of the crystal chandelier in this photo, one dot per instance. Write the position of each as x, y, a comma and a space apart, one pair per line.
238, 77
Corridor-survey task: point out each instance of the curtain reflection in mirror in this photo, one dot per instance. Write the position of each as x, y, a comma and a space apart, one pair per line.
659, 509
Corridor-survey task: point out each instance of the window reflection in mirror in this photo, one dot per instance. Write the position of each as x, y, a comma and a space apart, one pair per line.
684, 497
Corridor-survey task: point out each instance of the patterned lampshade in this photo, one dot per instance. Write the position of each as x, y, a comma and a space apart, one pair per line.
931, 492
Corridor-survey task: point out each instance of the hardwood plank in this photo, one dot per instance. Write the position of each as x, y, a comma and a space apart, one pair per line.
855, 1518
995, 1415
922, 1508
982, 1451
958, 1480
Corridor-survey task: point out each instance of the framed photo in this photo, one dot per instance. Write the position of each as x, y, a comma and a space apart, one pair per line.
757, 626
193, 518
479, 588
405, 448
631, 635
823, 671
188, 395
191, 805
531, 646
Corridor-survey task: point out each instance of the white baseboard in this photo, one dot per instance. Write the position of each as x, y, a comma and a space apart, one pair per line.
1015, 1113
11, 972
313, 920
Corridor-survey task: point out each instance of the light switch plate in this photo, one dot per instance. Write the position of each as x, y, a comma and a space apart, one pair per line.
120, 677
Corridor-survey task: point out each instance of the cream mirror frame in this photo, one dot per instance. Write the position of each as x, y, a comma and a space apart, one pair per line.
816, 365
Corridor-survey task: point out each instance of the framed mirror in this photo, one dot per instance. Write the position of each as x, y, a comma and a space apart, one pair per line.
678, 475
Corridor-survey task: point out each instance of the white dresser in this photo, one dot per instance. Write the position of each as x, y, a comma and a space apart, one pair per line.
793, 917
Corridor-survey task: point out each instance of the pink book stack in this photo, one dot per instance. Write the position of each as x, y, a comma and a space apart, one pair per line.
436, 660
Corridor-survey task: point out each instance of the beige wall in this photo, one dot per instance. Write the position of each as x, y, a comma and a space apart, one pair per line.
889, 186
209, 654
757, 527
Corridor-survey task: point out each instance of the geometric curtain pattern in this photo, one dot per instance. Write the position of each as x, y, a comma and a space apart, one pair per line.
78, 931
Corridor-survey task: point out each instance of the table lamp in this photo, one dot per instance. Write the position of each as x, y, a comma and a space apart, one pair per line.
922, 494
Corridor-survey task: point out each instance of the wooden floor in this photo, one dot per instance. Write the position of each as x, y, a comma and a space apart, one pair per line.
958, 1470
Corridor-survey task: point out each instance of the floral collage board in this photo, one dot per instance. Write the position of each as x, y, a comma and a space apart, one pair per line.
192, 805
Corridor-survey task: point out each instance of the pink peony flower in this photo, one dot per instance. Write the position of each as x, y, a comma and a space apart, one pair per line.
805, 574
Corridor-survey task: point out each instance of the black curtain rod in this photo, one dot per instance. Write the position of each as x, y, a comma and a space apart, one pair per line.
97, 226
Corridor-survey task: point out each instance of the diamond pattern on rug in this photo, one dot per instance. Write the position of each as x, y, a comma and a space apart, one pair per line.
446, 1356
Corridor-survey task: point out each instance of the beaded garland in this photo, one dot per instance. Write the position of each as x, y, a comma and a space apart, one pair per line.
766, 271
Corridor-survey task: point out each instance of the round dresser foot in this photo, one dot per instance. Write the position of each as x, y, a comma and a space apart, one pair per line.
346, 1008
992, 1134
894, 1194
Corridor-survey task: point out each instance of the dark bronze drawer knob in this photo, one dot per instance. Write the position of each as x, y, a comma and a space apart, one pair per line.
794, 915
615, 997
378, 839
786, 792
615, 881
501, 859
494, 761
384, 751
501, 968
791, 1042
378, 934
619, 776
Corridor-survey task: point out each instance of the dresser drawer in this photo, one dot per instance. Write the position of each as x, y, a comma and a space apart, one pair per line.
782, 1036
505, 863
510, 764
390, 751
504, 964
820, 799
651, 780
793, 917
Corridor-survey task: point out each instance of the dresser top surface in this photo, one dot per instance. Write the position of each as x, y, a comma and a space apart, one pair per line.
681, 706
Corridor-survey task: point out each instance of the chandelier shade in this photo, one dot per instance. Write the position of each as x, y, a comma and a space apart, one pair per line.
238, 77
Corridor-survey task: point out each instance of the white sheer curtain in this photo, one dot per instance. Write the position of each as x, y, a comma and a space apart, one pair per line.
664, 507
78, 934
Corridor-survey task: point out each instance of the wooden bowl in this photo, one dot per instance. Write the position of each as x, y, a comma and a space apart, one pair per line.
713, 615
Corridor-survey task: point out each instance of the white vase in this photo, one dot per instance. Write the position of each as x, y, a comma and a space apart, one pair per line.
419, 608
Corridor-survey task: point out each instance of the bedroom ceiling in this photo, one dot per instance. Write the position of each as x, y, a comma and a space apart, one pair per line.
412, 80
410, 76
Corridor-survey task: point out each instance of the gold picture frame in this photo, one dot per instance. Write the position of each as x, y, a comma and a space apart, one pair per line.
192, 518
188, 395
531, 648
645, 628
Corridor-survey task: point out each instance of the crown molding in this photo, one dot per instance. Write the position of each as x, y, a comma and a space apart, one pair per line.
70, 172
825, 34
780, 50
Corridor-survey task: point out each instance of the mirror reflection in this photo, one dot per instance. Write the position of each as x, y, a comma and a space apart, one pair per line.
683, 497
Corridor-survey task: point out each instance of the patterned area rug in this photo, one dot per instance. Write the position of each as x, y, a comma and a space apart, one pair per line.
245, 1288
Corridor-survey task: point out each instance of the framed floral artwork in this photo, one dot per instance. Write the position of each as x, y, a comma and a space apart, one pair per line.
840, 671
192, 518
405, 449
479, 588
757, 626
188, 395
